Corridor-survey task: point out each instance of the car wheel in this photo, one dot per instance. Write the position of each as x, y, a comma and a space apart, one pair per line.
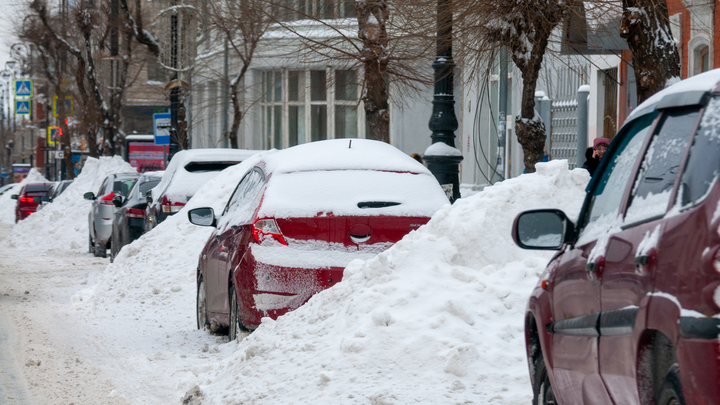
543, 392
235, 323
91, 245
112, 251
100, 250
671, 389
201, 306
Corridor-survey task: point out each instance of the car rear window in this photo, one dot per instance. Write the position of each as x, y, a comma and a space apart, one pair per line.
194, 167
122, 187
38, 188
351, 193
148, 185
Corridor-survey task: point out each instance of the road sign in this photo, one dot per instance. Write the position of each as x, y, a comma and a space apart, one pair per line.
59, 154
162, 125
22, 107
23, 88
69, 106
54, 134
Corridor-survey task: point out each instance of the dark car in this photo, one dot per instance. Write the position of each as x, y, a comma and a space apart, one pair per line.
102, 211
128, 223
628, 310
58, 188
297, 219
186, 173
26, 200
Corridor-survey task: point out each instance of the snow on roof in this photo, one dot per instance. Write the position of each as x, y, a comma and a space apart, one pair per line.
342, 154
704, 81
136, 137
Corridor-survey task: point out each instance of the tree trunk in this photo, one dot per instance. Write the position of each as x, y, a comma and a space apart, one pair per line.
372, 17
375, 100
646, 27
530, 132
237, 117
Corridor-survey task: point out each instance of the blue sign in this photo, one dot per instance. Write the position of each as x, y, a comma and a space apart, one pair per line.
162, 125
22, 107
23, 88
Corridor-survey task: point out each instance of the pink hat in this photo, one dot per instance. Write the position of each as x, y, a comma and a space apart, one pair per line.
598, 141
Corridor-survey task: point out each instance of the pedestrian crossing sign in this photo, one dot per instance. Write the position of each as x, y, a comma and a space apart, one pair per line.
54, 134
23, 88
69, 106
22, 107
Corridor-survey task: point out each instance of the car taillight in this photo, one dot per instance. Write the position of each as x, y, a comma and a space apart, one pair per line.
263, 228
135, 213
169, 206
107, 200
26, 199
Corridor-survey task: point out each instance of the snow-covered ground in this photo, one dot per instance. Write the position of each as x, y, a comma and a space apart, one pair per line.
436, 319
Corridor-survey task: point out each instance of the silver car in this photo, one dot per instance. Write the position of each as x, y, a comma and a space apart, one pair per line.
103, 210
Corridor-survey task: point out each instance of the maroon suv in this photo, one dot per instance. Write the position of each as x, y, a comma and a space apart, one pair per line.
628, 310
28, 199
297, 219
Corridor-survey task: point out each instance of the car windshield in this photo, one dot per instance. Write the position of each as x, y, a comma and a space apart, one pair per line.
351, 192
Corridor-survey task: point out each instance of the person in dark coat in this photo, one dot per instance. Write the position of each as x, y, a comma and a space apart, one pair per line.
594, 155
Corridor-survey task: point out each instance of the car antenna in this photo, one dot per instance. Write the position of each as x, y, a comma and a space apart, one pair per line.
350, 145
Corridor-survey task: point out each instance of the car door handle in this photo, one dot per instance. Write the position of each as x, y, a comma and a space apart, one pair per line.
591, 267
596, 266
646, 259
217, 237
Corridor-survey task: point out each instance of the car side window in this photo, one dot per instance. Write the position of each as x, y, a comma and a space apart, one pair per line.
656, 178
241, 206
102, 188
604, 206
702, 167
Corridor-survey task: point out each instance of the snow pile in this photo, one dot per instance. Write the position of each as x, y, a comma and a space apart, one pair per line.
7, 204
64, 223
158, 269
436, 319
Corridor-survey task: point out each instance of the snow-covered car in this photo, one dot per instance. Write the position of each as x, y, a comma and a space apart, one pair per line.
628, 310
57, 189
102, 212
185, 174
11, 188
296, 220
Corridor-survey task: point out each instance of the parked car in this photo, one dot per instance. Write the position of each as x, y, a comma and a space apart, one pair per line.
9, 188
185, 174
26, 203
128, 223
628, 310
54, 192
297, 219
102, 212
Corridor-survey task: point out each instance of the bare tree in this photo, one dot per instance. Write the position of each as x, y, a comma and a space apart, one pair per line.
646, 27
392, 45
240, 25
525, 28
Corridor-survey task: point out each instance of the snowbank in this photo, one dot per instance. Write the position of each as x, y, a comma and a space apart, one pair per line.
436, 319
159, 268
7, 204
64, 223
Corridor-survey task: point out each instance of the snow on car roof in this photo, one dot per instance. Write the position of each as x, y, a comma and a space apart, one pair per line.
704, 82
342, 154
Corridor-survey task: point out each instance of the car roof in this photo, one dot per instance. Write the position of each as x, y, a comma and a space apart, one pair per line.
686, 92
211, 155
341, 154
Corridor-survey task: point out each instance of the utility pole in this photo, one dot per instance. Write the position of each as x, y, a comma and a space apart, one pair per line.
443, 161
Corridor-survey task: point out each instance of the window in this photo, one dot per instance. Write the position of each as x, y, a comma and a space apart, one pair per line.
702, 167
155, 72
606, 197
656, 177
701, 59
290, 10
301, 106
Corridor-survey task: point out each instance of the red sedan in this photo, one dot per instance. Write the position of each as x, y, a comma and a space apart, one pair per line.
298, 218
28, 199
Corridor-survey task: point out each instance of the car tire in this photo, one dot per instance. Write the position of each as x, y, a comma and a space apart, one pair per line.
671, 390
236, 325
100, 250
112, 251
542, 389
201, 306
91, 245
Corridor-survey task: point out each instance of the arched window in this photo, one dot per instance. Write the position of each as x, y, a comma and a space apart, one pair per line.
701, 59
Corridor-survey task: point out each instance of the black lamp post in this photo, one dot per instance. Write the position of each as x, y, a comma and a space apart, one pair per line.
443, 162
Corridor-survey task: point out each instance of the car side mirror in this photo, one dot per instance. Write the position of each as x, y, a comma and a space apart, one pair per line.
37, 200
89, 196
202, 217
14, 196
546, 229
117, 201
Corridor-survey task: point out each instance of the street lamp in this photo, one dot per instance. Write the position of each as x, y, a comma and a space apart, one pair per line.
443, 160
